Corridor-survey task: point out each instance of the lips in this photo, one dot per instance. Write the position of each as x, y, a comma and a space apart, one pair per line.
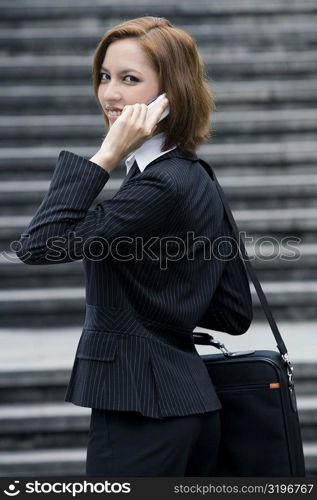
113, 112
113, 116
112, 108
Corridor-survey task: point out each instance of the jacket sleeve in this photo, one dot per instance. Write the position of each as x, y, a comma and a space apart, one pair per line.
230, 309
63, 228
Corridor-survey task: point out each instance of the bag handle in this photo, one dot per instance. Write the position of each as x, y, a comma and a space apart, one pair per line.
268, 313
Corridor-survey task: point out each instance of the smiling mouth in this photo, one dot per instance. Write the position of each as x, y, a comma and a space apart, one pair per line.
114, 113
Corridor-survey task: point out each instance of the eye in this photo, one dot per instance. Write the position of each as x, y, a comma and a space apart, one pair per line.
101, 74
134, 78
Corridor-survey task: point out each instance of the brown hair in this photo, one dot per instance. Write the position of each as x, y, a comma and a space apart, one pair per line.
181, 74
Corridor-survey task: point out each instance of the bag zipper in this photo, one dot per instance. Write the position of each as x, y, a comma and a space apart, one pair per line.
267, 385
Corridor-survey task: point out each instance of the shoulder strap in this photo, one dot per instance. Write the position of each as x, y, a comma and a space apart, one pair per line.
268, 313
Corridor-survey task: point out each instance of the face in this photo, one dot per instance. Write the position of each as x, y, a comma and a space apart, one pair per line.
126, 77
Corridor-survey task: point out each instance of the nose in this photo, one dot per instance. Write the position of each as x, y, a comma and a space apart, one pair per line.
110, 93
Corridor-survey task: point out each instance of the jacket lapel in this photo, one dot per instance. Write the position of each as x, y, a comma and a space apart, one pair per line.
175, 153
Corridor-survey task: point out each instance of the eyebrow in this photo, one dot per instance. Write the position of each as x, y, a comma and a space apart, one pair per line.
123, 71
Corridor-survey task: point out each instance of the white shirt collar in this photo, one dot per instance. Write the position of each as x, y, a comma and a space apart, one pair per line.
149, 151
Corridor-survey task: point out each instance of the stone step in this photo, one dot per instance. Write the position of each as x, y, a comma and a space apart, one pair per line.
270, 262
45, 11
35, 385
65, 306
17, 100
242, 192
225, 126
37, 163
15, 275
298, 33
268, 93
43, 417
30, 426
310, 453
222, 65
45, 462
307, 412
284, 157
38, 307
264, 123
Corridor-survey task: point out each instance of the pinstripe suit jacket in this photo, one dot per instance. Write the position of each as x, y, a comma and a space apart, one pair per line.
136, 350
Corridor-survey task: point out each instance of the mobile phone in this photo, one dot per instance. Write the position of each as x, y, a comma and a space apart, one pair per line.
153, 105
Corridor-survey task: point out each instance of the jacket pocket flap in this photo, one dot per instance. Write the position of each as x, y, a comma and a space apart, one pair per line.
99, 346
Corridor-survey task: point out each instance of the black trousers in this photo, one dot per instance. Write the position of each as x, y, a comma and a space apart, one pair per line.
127, 443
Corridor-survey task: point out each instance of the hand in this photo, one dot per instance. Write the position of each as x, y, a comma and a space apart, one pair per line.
127, 133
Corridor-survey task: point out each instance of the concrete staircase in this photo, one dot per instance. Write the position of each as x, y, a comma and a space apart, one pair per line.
262, 62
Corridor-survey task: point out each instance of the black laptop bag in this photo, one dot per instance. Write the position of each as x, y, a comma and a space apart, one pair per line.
260, 430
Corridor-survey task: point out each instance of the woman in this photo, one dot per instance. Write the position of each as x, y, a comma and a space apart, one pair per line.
153, 272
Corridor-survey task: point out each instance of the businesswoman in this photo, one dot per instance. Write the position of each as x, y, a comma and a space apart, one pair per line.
153, 271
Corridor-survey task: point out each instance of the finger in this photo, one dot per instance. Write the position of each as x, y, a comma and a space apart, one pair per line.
143, 112
126, 108
133, 112
140, 113
139, 110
